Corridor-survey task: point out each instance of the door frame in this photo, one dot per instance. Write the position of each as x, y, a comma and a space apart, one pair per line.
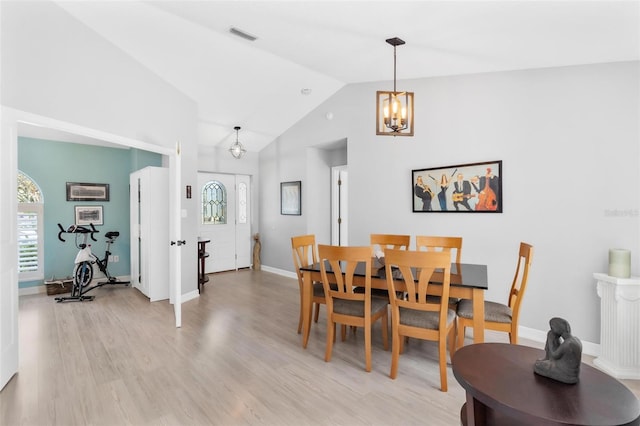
11, 119
238, 228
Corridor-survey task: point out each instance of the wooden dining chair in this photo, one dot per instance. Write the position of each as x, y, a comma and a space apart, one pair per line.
450, 244
379, 243
305, 253
416, 316
344, 306
498, 316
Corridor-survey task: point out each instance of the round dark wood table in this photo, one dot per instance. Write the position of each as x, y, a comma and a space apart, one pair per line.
502, 389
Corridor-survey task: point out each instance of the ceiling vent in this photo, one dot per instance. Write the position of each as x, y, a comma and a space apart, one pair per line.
240, 33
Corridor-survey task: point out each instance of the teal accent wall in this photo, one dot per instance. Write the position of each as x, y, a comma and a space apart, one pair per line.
51, 165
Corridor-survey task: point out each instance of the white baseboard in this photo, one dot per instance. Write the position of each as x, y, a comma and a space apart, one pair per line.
190, 296
588, 348
278, 271
42, 288
28, 291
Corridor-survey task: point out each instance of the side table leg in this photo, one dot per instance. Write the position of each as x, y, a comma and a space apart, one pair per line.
476, 412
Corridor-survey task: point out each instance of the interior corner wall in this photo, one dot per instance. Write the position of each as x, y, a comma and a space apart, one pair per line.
56, 67
569, 141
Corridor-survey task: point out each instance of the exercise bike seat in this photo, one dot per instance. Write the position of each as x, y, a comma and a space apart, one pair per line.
112, 234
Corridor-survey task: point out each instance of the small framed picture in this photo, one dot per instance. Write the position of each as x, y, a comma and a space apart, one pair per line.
86, 215
77, 191
290, 198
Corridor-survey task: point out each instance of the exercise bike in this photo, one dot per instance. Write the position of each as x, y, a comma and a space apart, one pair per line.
85, 259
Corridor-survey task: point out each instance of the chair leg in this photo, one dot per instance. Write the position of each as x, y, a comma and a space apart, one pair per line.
331, 335
343, 332
317, 313
300, 320
513, 335
367, 346
442, 349
395, 352
460, 333
385, 332
452, 340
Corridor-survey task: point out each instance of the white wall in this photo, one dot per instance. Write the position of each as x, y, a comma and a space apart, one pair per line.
56, 67
568, 139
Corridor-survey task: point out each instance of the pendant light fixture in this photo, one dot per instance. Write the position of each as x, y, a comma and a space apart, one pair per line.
394, 110
237, 150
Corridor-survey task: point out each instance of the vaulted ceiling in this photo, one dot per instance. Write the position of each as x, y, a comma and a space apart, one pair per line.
305, 51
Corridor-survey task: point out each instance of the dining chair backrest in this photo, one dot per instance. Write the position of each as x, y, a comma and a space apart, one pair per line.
416, 269
449, 244
304, 251
380, 242
520, 279
343, 261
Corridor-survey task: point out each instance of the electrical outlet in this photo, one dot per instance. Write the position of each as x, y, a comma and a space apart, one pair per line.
110, 259
116, 259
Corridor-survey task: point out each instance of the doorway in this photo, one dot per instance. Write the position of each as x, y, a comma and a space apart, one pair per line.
14, 123
225, 220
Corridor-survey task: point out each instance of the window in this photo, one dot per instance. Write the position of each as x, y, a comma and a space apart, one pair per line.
214, 203
242, 202
30, 235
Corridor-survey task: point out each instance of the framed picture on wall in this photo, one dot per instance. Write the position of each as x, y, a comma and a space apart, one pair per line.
290, 198
461, 188
77, 191
86, 215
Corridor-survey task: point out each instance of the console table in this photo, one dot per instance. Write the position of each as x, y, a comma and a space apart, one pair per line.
202, 255
619, 326
502, 389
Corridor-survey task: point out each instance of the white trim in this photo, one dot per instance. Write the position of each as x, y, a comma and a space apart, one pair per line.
29, 291
282, 272
588, 348
41, 121
189, 296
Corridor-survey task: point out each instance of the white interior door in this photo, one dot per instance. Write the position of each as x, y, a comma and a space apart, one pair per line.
8, 253
175, 233
227, 223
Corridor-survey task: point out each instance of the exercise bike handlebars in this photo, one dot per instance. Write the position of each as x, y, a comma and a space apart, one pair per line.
77, 229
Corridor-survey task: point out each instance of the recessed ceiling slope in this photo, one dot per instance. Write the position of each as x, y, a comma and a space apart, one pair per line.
323, 45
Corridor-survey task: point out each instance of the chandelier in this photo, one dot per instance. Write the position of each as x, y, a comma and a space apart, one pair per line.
237, 150
394, 110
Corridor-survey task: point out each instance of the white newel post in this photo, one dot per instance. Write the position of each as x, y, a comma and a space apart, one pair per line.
619, 326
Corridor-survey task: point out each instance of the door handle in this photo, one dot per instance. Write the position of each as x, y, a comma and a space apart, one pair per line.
178, 243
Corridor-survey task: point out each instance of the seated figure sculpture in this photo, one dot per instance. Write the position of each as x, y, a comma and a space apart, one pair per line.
563, 354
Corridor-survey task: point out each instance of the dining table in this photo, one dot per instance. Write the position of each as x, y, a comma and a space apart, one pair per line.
468, 281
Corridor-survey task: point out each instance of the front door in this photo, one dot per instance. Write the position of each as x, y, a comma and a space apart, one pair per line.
225, 220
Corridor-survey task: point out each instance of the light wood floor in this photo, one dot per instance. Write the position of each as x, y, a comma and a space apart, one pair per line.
236, 360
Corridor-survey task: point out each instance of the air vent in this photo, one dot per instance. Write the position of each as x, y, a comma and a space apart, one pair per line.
240, 33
